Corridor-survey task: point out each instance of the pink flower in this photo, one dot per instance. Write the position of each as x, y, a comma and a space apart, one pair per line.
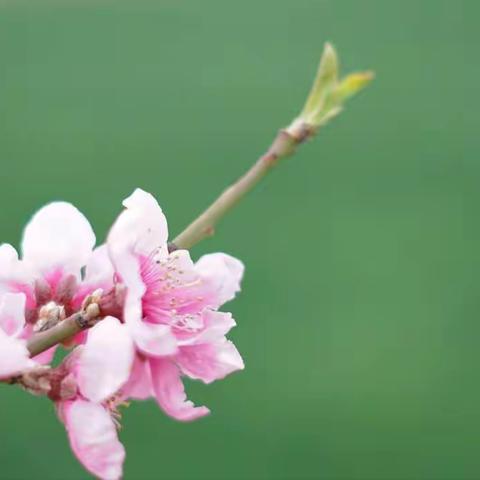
168, 322
56, 244
14, 356
170, 308
86, 395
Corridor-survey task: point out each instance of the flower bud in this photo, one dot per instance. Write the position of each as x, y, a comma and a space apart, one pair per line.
48, 316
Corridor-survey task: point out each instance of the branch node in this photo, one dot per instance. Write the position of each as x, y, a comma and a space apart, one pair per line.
81, 320
209, 231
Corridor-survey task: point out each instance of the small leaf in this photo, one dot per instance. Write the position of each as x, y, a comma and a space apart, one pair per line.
327, 95
325, 80
352, 84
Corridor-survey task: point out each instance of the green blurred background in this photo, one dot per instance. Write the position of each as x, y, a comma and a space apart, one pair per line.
358, 319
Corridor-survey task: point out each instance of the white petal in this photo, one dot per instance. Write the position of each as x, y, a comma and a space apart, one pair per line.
58, 237
12, 313
128, 268
223, 272
152, 339
99, 269
12, 270
141, 228
106, 360
14, 356
93, 438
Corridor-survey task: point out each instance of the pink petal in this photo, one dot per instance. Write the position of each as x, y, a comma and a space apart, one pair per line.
152, 339
14, 356
58, 237
139, 385
12, 313
105, 361
93, 438
170, 392
210, 362
46, 357
174, 286
224, 274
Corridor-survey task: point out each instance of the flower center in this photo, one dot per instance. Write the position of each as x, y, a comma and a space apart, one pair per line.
53, 297
173, 292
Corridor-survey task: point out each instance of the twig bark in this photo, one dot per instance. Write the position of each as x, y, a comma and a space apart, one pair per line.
204, 225
61, 332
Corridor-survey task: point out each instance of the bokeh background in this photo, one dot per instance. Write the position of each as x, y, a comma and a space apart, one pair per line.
358, 319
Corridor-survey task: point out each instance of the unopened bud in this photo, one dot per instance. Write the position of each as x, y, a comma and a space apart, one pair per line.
93, 298
92, 311
48, 316
328, 93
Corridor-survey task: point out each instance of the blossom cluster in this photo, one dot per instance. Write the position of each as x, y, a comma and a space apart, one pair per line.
158, 321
